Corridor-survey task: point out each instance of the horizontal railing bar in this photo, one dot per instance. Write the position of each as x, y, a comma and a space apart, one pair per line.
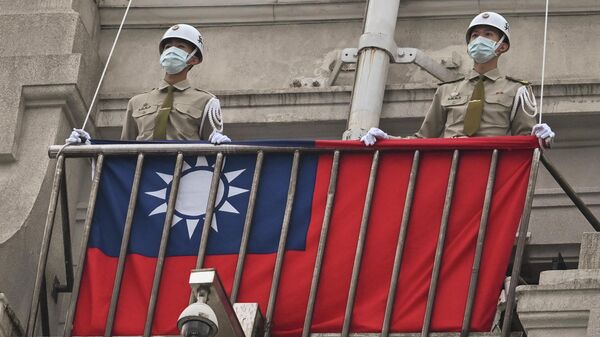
186, 149
414, 334
433, 334
197, 149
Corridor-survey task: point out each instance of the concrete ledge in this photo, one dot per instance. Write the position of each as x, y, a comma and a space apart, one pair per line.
242, 12
32, 70
589, 256
561, 304
67, 96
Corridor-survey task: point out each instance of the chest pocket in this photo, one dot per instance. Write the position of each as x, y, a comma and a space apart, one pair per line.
455, 108
497, 109
502, 99
187, 119
451, 101
145, 118
145, 110
189, 111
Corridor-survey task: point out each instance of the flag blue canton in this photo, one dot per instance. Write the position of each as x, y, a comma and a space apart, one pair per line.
230, 208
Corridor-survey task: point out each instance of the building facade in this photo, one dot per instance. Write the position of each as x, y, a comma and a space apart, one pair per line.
276, 67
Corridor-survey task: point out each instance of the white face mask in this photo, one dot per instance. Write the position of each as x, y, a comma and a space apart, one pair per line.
174, 60
483, 49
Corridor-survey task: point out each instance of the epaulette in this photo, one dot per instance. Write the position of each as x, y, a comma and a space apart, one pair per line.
206, 92
517, 80
452, 81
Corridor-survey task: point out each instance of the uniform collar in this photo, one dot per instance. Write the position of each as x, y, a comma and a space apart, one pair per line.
180, 86
493, 74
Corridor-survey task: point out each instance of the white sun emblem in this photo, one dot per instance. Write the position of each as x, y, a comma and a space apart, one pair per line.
193, 194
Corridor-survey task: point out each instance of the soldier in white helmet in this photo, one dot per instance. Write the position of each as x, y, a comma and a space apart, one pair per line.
485, 102
174, 110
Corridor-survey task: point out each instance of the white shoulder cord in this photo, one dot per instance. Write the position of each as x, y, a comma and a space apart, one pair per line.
213, 111
525, 98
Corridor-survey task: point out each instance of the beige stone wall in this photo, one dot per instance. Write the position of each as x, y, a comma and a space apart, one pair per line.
52, 53
50, 63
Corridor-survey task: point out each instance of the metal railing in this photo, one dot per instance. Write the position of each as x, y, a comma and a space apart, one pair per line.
99, 152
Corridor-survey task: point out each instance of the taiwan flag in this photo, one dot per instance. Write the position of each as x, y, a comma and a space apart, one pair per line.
314, 173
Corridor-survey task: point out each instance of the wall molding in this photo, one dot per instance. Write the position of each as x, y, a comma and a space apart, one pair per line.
158, 13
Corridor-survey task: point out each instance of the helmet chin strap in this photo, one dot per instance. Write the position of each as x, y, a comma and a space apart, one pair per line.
190, 55
499, 43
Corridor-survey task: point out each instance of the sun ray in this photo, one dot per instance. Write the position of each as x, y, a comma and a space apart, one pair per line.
191, 226
233, 174
176, 219
227, 207
233, 191
160, 194
167, 178
162, 208
213, 224
185, 166
201, 161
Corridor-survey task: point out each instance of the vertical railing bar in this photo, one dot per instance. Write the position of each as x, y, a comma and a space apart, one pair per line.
43, 260
322, 242
282, 242
87, 227
410, 191
479, 246
440, 246
360, 245
66, 224
523, 226
210, 210
163, 244
44, 309
124, 245
247, 227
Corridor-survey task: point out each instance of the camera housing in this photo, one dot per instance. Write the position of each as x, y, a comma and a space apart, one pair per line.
198, 320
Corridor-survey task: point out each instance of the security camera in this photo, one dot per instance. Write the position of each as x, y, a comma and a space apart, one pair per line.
198, 320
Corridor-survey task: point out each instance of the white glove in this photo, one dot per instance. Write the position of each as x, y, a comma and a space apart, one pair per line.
372, 135
217, 138
78, 136
544, 134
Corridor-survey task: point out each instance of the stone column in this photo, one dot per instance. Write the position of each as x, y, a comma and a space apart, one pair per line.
49, 64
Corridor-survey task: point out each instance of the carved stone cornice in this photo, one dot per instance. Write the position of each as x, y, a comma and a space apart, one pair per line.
160, 13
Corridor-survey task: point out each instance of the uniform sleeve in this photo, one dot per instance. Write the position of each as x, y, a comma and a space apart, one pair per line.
435, 119
130, 130
523, 121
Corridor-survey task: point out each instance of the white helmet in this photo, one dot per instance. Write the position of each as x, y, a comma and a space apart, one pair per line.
493, 20
187, 33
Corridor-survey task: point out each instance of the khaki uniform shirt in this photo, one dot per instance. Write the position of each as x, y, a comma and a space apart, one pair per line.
446, 115
186, 119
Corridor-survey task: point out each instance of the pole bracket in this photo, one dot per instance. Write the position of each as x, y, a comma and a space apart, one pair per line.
400, 56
